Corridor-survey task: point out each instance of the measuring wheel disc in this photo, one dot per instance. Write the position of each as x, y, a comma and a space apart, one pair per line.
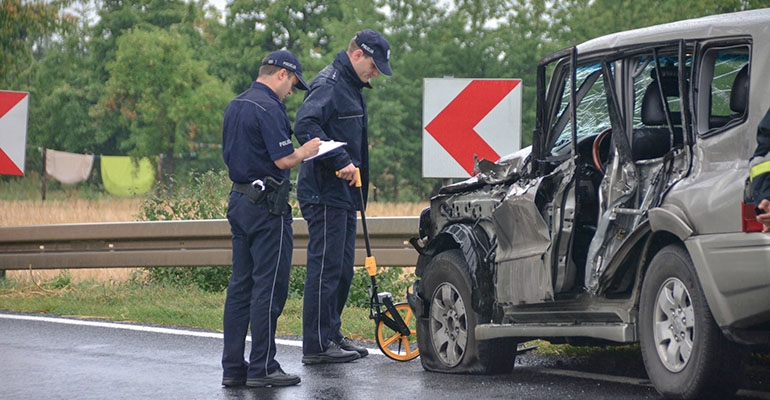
392, 343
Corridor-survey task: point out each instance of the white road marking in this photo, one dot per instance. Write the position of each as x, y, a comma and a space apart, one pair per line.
144, 328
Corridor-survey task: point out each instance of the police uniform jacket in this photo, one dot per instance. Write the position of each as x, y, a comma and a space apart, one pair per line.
255, 133
334, 109
760, 162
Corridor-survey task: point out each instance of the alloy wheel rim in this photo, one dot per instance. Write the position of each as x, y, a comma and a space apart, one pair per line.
674, 325
448, 324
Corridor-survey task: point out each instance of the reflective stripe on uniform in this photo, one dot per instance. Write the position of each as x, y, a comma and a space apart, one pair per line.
759, 166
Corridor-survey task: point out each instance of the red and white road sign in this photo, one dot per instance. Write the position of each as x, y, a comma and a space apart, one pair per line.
463, 117
13, 131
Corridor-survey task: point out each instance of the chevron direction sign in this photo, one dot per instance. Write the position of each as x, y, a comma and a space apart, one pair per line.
467, 117
13, 132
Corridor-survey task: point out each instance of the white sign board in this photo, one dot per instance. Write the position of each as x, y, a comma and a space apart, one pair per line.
13, 132
467, 117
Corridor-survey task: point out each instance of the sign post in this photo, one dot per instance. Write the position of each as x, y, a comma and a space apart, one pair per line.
467, 117
13, 132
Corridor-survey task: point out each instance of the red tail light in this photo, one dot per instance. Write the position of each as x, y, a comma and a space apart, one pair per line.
749, 218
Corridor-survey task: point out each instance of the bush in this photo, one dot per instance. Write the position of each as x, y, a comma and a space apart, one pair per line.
391, 280
204, 196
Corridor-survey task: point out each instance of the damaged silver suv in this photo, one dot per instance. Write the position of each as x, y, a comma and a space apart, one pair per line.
626, 220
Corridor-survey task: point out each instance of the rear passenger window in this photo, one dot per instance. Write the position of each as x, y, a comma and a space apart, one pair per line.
657, 123
724, 88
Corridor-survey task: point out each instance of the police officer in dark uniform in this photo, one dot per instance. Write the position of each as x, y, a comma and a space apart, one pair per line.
334, 109
760, 173
259, 154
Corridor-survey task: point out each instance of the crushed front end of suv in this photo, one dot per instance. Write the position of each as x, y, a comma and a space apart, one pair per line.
622, 223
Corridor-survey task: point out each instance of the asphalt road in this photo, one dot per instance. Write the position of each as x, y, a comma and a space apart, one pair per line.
57, 358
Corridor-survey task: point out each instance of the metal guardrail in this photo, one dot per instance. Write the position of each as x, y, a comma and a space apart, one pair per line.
175, 243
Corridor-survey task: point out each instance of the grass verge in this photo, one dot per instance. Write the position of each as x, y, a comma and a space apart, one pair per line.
188, 307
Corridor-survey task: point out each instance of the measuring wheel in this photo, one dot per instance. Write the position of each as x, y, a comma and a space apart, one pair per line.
392, 342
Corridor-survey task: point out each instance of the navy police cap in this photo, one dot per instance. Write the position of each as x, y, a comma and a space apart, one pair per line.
376, 46
287, 61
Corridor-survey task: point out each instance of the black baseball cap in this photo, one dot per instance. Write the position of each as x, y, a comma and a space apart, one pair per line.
287, 61
376, 46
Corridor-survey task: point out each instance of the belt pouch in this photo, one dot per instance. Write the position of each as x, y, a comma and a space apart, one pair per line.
278, 195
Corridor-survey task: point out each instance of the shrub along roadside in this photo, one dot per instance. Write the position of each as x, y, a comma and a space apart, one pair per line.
204, 196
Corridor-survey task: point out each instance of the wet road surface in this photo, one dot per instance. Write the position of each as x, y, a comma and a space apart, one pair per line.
54, 358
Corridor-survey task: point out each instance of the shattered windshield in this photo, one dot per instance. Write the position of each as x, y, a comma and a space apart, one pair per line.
592, 109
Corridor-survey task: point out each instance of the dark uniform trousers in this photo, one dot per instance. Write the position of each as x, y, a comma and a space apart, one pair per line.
262, 247
330, 255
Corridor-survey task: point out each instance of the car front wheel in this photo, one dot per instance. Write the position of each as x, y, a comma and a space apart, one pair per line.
446, 337
685, 353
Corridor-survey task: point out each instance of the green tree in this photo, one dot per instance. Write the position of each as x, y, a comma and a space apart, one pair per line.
23, 26
526, 37
255, 28
164, 98
65, 88
119, 16
395, 103
429, 40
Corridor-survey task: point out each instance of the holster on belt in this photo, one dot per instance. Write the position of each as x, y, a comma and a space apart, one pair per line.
254, 194
277, 195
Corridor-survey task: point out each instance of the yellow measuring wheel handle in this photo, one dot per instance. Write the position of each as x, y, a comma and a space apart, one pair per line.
358, 176
371, 266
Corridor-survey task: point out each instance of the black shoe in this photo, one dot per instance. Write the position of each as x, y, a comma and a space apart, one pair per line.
347, 344
232, 382
333, 354
277, 378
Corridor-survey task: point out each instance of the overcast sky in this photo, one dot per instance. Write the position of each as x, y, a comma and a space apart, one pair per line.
220, 4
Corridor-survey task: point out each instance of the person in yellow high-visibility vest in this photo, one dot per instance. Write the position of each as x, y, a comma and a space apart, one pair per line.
760, 173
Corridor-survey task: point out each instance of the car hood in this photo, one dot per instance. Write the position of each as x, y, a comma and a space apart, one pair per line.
507, 169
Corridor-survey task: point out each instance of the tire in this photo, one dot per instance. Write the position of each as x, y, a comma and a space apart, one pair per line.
446, 338
685, 353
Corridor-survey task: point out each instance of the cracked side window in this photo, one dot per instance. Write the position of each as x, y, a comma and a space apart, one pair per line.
592, 110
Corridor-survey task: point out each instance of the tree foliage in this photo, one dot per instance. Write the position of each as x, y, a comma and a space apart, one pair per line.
150, 77
24, 25
163, 97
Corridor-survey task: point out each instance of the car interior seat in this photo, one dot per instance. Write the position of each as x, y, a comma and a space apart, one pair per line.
654, 139
739, 94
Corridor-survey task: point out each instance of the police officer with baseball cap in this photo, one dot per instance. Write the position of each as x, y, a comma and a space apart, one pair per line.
287, 61
373, 44
334, 109
258, 152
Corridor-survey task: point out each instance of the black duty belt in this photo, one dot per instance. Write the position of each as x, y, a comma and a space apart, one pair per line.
275, 192
244, 188
256, 192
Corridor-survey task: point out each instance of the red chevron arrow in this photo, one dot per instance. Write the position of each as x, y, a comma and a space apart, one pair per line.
9, 100
453, 127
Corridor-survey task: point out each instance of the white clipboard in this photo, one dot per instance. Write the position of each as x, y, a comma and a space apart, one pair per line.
326, 146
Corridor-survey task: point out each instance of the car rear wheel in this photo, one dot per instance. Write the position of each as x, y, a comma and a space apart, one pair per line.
446, 337
685, 353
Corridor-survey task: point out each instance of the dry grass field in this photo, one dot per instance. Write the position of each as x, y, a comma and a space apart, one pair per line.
75, 211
